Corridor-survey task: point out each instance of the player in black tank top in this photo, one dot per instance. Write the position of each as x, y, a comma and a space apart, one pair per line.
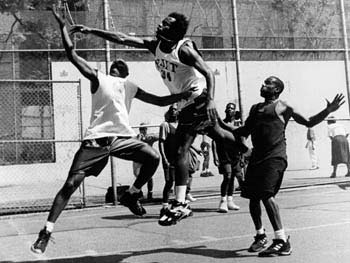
266, 125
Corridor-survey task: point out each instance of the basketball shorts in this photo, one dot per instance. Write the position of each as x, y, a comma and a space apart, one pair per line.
263, 180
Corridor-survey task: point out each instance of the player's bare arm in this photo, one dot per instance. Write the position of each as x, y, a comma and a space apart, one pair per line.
316, 119
118, 37
190, 56
162, 100
80, 63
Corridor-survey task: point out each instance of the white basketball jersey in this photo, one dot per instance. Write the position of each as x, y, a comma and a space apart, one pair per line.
110, 108
177, 76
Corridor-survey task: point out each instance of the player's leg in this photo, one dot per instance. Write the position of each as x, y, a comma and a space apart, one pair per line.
260, 239
179, 208
137, 151
169, 177
150, 189
235, 170
273, 170
89, 160
225, 170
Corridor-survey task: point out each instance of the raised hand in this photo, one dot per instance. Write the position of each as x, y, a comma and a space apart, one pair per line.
211, 111
59, 19
79, 29
336, 103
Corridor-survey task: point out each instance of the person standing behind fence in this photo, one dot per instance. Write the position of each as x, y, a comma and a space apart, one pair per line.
340, 145
311, 147
109, 134
266, 124
150, 139
228, 163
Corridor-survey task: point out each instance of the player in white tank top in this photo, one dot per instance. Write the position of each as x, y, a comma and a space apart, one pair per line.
181, 67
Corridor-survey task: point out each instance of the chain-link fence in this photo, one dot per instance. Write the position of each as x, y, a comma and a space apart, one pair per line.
41, 128
43, 116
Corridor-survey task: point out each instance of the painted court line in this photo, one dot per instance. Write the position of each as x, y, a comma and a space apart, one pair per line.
204, 239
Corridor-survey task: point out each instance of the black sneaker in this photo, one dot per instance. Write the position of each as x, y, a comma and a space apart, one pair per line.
278, 248
40, 244
163, 211
132, 202
259, 243
176, 212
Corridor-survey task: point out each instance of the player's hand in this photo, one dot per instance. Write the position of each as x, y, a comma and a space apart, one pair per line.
59, 19
336, 103
79, 29
211, 111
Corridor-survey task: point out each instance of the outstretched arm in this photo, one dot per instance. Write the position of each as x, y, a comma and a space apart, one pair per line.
78, 61
118, 37
316, 119
162, 100
190, 56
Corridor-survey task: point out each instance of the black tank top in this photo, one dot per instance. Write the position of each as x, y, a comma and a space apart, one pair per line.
268, 133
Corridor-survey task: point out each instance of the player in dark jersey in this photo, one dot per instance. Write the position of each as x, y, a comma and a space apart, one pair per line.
266, 125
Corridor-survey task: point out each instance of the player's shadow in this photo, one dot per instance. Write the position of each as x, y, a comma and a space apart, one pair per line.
197, 250
130, 216
344, 186
203, 210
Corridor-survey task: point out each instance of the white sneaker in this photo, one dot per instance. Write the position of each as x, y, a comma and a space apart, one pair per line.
190, 198
231, 205
223, 206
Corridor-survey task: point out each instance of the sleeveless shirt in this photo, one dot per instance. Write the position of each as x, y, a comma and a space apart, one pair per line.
267, 133
178, 77
110, 106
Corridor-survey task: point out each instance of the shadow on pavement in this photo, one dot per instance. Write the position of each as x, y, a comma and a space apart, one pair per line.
197, 250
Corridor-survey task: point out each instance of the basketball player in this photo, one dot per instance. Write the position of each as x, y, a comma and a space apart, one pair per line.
266, 125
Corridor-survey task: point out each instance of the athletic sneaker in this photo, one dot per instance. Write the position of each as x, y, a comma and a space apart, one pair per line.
176, 212
190, 198
259, 243
278, 248
223, 206
132, 202
163, 211
40, 244
231, 205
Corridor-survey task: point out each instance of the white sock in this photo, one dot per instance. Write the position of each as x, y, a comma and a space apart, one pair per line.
230, 198
133, 190
260, 231
280, 234
49, 226
180, 191
224, 198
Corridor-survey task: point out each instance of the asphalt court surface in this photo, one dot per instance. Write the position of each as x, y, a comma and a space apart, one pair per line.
316, 218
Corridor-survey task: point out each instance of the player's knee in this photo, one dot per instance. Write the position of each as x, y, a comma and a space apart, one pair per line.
152, 158
71, 184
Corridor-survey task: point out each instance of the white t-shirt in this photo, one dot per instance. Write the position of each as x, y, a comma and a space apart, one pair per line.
110, 108
335, 129
177, 76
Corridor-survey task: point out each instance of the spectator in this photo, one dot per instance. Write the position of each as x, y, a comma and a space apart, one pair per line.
150, 139
310, 145
228, 163
340, 145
